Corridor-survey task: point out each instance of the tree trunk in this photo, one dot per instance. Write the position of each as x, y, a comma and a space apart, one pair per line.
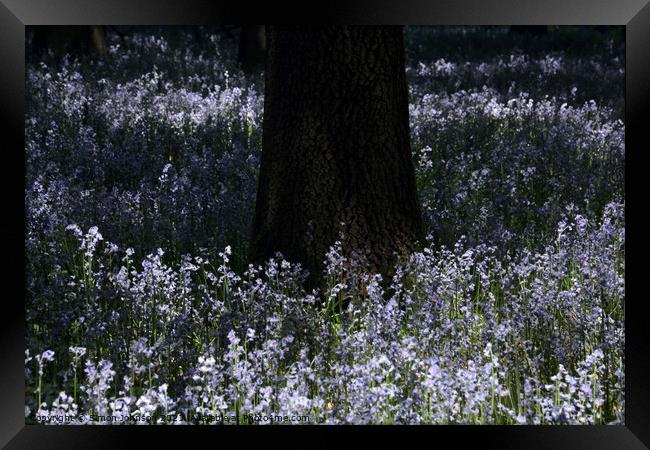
336, 148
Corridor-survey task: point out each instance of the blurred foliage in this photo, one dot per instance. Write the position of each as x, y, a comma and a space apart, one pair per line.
427, 43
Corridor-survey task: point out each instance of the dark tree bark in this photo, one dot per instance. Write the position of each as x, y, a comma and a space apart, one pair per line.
336, 148
252, 48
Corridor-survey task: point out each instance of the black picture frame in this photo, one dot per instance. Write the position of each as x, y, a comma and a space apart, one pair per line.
16, 14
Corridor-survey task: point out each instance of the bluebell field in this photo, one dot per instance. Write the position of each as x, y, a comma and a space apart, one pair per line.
140, 188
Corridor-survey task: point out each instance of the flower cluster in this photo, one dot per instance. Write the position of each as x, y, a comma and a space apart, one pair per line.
461, 336
504, 172
140, 186
171, 158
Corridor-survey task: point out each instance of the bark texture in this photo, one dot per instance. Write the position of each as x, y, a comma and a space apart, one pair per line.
336, 147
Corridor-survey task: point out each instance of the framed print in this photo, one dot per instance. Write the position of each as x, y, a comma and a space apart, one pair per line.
411, 219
